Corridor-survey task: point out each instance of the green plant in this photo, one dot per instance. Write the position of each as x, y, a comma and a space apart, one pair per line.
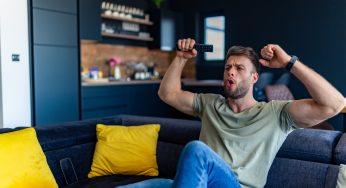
157, 2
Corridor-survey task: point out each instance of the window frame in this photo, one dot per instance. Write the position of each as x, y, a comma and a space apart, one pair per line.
202, 31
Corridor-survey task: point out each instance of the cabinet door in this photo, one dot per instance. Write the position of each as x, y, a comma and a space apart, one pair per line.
69, 6
54, 28
90, 20
141, 99
56, 84
102, 101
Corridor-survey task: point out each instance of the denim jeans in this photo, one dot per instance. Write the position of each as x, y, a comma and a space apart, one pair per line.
198, 167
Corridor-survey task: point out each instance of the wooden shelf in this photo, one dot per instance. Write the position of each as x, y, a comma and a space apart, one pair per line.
123, 36
133, 20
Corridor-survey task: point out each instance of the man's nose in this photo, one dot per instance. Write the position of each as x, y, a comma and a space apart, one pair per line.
231, 72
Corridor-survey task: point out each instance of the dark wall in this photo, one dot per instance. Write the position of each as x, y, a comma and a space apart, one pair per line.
315, 31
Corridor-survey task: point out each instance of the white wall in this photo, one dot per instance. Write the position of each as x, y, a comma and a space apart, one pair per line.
15, 99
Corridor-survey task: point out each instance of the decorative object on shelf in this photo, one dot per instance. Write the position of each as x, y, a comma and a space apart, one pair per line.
125, 22
157, 3
122, 11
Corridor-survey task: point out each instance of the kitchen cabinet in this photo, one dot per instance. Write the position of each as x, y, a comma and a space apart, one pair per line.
135, 99
102, 101
167, 30
55, 62
67, 6
89, 20
63, 32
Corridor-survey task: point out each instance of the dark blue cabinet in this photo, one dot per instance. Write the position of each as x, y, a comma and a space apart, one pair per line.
101, 101
55, 61
136, 99
66, 6
56, 84
54, 28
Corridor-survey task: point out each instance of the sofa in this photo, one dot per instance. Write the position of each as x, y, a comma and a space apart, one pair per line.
308, 157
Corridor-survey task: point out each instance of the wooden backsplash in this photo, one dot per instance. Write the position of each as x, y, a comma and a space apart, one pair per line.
95, 54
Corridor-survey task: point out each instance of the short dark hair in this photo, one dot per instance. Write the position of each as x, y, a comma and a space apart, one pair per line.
244, 51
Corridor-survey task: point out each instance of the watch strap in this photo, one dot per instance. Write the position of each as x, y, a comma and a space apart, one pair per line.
292, 61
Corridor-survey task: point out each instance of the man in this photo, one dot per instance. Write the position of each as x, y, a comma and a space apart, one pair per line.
244, 135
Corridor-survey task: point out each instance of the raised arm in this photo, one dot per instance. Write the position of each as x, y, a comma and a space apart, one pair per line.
326, 100
170, 89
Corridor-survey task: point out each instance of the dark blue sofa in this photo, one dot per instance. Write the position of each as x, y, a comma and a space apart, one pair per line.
308, 158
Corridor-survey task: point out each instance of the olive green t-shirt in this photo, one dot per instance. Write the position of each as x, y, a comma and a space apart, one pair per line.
249, 140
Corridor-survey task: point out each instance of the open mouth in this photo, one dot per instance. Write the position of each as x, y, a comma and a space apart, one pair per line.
231, 82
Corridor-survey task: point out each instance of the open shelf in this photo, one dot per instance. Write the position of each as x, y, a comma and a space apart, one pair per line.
123, 36
133, 20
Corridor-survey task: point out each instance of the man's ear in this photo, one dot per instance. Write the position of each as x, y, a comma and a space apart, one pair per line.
255, 77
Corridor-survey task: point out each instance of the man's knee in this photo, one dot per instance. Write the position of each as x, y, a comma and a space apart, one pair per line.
197, 148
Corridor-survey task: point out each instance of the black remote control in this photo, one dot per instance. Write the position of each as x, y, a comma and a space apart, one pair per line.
201, 47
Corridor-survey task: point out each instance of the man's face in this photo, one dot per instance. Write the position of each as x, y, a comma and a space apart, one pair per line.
239, 76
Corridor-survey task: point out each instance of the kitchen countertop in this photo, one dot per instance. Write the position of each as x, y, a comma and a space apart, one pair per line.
113, 83
186, 82
192, 82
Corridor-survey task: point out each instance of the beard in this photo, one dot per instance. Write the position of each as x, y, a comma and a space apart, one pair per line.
240, 91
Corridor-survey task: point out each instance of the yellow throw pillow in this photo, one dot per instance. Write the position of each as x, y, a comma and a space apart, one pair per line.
126, 150
22, 161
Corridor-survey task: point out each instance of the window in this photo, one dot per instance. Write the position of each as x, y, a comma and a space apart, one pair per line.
214, 30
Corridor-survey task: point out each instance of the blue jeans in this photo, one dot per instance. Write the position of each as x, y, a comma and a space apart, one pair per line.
199, 167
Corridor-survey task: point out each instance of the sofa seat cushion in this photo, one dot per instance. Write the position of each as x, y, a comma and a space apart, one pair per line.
108, 181
296, 173
310, 145
340, 150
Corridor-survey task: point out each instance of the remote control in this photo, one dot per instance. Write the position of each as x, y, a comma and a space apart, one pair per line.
201, 47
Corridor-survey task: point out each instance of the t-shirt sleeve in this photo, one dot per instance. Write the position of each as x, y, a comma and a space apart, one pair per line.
201, 101
198, 104
281, 109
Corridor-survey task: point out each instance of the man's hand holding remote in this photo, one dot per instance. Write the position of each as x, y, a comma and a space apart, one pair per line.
186, 50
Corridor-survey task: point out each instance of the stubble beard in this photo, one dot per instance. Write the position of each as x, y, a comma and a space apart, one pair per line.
241, 90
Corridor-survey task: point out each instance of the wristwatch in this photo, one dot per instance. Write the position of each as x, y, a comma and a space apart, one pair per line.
292, 61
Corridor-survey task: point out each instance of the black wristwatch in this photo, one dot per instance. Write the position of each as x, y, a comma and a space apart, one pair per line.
292, 61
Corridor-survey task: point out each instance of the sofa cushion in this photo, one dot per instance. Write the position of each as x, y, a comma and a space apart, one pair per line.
310, 145
340, 151
176, 131
167, 158
127, 150
296, 173
71, 133
81, 157
22, 161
